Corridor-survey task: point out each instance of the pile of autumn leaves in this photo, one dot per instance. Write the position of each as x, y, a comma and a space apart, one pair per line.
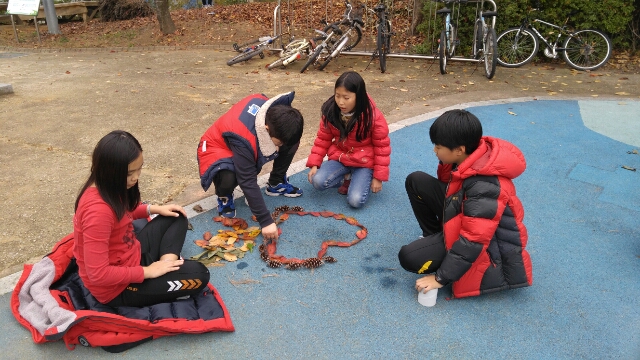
225, 245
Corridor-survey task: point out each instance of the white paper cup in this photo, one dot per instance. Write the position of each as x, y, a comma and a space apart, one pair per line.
428, 299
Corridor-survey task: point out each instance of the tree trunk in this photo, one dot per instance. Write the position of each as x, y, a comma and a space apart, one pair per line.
417, 16
164, 17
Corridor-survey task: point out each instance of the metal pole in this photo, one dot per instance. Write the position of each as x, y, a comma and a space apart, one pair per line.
14, 28
409, 56
51, 17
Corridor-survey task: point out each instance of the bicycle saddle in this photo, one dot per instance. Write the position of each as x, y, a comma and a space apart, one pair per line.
444, 11
489, 14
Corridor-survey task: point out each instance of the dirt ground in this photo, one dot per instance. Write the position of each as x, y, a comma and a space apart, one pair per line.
65, 100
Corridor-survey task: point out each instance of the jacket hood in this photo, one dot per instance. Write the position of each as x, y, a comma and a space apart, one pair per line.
493, 157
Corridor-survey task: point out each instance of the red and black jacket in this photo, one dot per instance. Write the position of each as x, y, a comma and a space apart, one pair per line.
483, 230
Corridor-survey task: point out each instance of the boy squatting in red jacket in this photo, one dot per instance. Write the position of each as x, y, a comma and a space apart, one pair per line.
470, 216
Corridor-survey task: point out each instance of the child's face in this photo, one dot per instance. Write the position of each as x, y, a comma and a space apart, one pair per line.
345, 99
448, 156
135, 168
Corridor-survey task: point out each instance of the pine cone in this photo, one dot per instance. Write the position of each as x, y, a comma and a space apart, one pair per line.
262, 248
274, 264
297, 209
293, 266
312, 263
264, 256
329, 259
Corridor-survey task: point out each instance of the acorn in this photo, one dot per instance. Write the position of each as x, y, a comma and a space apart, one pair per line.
329, 259
312, 263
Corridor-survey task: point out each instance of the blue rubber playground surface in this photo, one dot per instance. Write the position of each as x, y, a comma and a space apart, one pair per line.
582, 211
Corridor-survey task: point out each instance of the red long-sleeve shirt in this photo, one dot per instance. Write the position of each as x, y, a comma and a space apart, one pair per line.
106, 250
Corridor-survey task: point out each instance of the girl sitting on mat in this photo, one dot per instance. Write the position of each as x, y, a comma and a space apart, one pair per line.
118, 266
354, 135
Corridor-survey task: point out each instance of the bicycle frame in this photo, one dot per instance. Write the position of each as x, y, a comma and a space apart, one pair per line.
552, 48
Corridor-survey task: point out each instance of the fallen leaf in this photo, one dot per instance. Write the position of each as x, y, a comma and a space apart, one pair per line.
622, 93
198, 209
628, 168
512, 113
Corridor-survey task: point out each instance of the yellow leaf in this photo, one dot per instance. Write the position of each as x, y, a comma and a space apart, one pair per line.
230, 257
231, 240
393, 87
404, 90
471, 83
512, 113
216, 241
245, 247
622, 93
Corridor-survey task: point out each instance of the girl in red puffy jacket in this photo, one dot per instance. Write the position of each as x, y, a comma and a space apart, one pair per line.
353, 133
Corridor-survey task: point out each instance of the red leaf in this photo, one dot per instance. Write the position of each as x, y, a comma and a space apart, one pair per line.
361, 234
351, 221
201, 243
326, 214
344, 244
314, 213
284, 217
279, 231
339, 216
207, 236
217, 218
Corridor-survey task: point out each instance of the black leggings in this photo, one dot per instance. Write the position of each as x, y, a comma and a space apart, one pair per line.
426, 195
164, 235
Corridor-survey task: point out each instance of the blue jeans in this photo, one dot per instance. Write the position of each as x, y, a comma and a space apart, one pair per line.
331, 174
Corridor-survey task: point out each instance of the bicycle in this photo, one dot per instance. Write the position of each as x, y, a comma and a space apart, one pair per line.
448, 36
485, 46
295, 50
383, 35
331, 47
581, 49
248, 50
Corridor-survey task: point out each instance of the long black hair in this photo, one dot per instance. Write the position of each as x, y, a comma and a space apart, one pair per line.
362, 117
109, 168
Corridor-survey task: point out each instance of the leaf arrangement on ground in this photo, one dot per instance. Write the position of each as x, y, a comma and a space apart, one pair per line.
268, 248
225, 245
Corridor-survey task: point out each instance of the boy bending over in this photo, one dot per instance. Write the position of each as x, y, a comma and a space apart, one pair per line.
233, 150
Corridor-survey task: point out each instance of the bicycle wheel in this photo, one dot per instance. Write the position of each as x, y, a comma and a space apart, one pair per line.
245, 56
489, 53
383, 40
442, 52
587, 50
312, 58
516, 47
353, 39
477, 40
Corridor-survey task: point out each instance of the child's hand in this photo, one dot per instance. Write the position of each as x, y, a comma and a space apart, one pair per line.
270, 232
376, 185
168, 210
312, 173
161, 267
427, 283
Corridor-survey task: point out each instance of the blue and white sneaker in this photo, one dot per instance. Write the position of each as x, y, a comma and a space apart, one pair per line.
226, 207
284, 188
